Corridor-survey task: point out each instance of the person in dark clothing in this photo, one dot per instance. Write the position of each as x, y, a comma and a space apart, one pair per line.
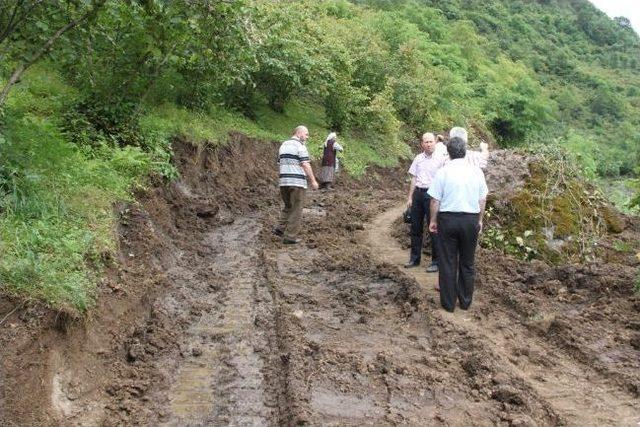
458, 197
329, 161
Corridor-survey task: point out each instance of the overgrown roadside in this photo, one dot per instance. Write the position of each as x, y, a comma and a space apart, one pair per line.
209, 319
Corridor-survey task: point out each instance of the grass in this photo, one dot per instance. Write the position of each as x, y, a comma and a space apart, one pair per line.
56, 199
56, 203
213, 127
619, 191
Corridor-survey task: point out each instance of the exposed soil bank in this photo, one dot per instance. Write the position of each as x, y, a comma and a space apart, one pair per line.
207, 319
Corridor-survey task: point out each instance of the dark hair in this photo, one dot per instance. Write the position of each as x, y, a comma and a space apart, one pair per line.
457, 148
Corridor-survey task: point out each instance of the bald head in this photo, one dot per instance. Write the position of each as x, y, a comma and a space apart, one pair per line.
301, 132
428, 136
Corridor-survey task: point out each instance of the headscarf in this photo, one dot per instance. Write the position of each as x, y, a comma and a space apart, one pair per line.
331, 136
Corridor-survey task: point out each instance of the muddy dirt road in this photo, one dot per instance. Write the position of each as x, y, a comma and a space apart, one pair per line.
207, 319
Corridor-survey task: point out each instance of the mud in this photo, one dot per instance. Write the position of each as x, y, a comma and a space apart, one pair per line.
205, 318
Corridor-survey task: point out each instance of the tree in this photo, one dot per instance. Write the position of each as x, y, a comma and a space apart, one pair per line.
623, 22
52, 19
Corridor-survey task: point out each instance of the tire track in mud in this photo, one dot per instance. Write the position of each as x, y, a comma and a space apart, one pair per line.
222, 379
574, 391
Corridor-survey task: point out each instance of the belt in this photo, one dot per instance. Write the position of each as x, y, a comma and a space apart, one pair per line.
458, 213
422, 189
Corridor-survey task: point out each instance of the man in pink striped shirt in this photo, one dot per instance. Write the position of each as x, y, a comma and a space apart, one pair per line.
422, 171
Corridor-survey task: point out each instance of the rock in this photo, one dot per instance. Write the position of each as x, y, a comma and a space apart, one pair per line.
507, 394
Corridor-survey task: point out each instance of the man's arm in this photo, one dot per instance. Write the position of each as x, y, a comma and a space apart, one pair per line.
483, 203
411, 188
434, 208
484, 155
306, 167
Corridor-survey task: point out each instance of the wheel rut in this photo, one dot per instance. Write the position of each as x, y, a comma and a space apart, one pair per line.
221, 381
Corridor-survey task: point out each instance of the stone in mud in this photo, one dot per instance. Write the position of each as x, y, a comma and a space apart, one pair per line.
507, 394
135, 351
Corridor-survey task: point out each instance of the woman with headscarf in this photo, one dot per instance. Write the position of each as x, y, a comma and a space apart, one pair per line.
329, 161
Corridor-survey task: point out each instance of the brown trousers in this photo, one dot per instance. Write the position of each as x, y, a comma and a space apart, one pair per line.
291, 218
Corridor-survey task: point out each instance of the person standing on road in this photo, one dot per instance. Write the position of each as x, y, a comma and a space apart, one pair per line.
329, 161
295, 171
422, 171
441, 146
475, 158
458, 197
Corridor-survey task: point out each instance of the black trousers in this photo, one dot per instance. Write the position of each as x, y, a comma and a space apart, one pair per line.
457, 239
419, 210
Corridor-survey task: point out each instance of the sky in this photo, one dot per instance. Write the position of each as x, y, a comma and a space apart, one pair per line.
627, 8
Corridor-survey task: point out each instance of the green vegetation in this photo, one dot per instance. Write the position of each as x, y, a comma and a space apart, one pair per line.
93, 93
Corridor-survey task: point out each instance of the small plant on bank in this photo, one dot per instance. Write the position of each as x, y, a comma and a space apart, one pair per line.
496, 237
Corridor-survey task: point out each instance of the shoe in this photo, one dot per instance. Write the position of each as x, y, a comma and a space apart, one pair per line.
288, 241
277, 232
411, 264
433, 268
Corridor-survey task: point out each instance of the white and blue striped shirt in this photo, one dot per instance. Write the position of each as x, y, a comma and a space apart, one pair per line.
291, 155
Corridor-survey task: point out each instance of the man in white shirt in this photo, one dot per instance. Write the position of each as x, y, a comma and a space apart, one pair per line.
458, 197
295, 171
476, 158
422, 170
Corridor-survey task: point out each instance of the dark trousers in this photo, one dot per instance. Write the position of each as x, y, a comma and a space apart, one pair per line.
457, 239
420, 204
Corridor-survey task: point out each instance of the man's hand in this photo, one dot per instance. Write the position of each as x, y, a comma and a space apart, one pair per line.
314, 185
479, 227
484, 146
433, 227
409, 202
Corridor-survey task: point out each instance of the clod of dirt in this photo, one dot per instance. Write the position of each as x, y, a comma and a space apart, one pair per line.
635, 342
542, 322
196, 352
507, 394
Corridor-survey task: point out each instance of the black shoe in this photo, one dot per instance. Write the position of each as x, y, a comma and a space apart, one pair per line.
277, 232
433, 268
288, 241
412, 264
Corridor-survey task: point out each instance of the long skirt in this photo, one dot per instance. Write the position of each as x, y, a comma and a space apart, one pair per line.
327, 174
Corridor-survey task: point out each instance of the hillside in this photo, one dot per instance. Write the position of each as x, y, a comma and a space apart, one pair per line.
140, 282
105, 101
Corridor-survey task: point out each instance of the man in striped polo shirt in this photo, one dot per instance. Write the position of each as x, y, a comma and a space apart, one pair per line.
295, 170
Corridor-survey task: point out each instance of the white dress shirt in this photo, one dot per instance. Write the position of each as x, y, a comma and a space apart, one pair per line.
459, 186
